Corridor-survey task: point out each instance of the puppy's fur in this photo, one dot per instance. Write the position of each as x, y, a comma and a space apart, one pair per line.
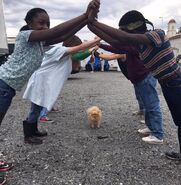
94, 115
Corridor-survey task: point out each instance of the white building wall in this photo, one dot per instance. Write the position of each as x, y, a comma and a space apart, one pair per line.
171, 29
3, 36
176, 45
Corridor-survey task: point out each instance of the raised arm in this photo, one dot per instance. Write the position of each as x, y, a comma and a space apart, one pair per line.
103, 35
112, 56
67, 35
83, 46
117, 34
81, 55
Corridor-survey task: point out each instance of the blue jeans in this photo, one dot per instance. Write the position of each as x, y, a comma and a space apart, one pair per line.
149, 96
172, 93
43, 112
34, 113
6, 95
140, 101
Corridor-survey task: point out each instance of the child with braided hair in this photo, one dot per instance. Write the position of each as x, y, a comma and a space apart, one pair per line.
27, 57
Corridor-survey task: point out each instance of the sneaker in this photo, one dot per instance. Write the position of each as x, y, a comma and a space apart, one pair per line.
144, 131
152, 140
2, 178
55, 110
142, 121
173, 156
45, 120
138, 113
5, 166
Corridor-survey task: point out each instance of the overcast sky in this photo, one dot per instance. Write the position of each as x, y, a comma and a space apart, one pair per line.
157, 11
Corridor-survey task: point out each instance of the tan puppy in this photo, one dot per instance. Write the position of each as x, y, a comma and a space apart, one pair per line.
94, 115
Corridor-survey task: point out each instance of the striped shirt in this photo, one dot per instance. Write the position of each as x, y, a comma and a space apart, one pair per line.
158, 57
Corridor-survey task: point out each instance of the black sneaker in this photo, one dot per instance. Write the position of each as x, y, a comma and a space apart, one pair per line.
173, 156
2, 178
33, 141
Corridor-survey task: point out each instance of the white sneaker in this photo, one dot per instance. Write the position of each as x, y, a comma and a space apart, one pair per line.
152, 140
138, 113
142, 121
144, 131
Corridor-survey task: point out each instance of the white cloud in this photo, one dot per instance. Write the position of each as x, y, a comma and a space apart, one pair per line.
110, 11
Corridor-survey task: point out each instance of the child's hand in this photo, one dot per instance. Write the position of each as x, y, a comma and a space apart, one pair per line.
93, 49
97, 39
93, 14
93, 5
92, 59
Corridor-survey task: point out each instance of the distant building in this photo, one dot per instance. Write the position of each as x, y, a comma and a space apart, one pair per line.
174, 37
171, 28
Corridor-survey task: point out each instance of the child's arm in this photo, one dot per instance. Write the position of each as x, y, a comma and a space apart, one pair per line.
81, 55
112, 56
83, 46
67, 35
110, 48
61, 29
117, 34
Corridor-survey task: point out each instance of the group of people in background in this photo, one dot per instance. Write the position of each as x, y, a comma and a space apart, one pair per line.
144, 56
95, 63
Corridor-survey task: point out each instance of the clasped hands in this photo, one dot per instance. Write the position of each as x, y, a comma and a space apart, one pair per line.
92, 11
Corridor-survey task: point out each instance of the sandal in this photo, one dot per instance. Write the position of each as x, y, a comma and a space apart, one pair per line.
5, 166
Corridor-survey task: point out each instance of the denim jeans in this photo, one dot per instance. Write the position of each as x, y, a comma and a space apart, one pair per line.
34, 113
43, 112
149, 96
172, 93
6, 95
140, 101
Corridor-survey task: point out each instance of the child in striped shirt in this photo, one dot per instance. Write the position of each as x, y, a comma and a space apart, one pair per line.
157, 56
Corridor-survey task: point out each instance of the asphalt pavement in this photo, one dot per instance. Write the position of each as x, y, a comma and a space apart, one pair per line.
75, 154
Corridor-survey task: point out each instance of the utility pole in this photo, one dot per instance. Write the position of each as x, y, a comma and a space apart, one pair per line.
161, 22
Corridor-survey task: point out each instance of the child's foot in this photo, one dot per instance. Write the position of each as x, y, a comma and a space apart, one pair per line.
138, 113
144, 131
33, 141
4, 166
142, 121
45, 120
152, 140
55, 110
173, 156
2, 178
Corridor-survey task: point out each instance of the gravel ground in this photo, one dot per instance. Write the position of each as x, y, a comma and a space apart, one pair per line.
74, 154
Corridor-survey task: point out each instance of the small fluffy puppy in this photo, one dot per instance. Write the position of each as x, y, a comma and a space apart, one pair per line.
94, 115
